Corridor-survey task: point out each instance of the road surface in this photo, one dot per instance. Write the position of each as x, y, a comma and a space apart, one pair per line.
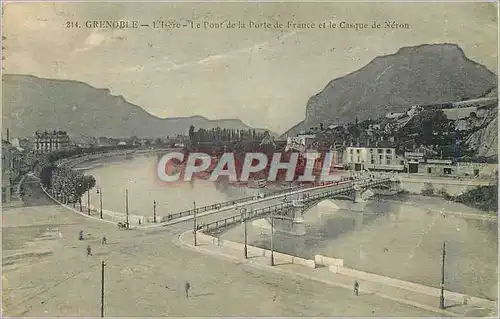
145, 274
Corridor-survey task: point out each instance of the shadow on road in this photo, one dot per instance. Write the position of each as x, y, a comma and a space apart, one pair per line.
33, 195
201, 295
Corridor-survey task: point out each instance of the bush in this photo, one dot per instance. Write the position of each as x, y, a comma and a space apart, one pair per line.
483, 197
428, 189
443, 193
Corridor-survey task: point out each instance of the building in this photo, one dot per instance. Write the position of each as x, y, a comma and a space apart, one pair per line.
356, 157
48, 142
440, 167
373, 158
6, 171
413, 160
300, 143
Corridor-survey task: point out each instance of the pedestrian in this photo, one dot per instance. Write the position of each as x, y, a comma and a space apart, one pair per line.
356, 287
89, 251
104, 240
80, 236
187, 286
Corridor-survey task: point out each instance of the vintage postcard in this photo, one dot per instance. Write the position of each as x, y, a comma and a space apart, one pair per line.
277, 159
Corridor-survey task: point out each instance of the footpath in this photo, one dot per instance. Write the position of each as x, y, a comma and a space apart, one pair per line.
481, 308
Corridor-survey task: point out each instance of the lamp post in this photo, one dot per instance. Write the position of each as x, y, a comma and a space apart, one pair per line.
99, 191
194, 221
154, 211
126, 205
243, 213
441, 297
272, 235
88, 202
80, 198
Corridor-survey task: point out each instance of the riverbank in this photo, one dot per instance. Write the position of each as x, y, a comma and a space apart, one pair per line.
404, 293
402, 240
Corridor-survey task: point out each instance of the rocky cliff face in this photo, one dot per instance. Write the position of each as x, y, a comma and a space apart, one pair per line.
425, 74
485, 140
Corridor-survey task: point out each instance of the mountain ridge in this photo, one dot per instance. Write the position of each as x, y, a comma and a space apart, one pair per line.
32, 103
437, 73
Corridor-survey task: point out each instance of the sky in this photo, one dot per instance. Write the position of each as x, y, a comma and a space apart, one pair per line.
263, 76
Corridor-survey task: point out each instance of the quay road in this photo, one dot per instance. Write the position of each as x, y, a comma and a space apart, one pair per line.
145, 274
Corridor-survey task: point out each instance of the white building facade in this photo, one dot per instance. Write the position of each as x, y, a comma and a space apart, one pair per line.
48, 142
373, 158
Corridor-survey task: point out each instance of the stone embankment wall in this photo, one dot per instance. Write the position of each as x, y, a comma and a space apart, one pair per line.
435, 292
70, 162
336, 266
256, 251
453, 187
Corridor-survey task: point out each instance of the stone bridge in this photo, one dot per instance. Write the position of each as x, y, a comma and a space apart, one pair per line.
287, 216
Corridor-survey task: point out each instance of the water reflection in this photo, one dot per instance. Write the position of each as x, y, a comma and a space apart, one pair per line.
138, 175
397, 240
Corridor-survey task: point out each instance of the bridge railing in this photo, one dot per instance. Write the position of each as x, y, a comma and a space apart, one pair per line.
238, 218
220, 205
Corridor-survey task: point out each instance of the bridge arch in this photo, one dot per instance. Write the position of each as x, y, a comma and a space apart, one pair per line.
290, 215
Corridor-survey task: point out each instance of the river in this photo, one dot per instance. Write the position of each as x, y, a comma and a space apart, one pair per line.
138, 175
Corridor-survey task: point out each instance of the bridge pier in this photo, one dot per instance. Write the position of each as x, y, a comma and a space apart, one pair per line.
291, 223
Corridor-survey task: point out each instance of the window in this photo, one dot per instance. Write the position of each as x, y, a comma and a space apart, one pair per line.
358, 159
380, 151
388, 151
373, 161
351, 151
388, 157
371, 150
381, 157
357, 151
388, 162
401, 162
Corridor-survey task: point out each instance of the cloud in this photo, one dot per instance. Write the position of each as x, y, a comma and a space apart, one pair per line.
98, 38
214, 58
231, 54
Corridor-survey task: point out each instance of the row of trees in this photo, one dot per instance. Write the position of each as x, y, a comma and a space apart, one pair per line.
64, 183
69, 185
222, 134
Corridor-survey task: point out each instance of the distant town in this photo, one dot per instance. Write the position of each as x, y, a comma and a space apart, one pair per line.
420, 141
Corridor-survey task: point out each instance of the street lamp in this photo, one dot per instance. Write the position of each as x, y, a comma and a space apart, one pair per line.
154, 211
243, 213
272, 235
88, 201
99, 191
194, 221
126, 205
80, 199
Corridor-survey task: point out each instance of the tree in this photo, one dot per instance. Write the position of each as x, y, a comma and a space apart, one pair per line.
191, 133
46, 175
